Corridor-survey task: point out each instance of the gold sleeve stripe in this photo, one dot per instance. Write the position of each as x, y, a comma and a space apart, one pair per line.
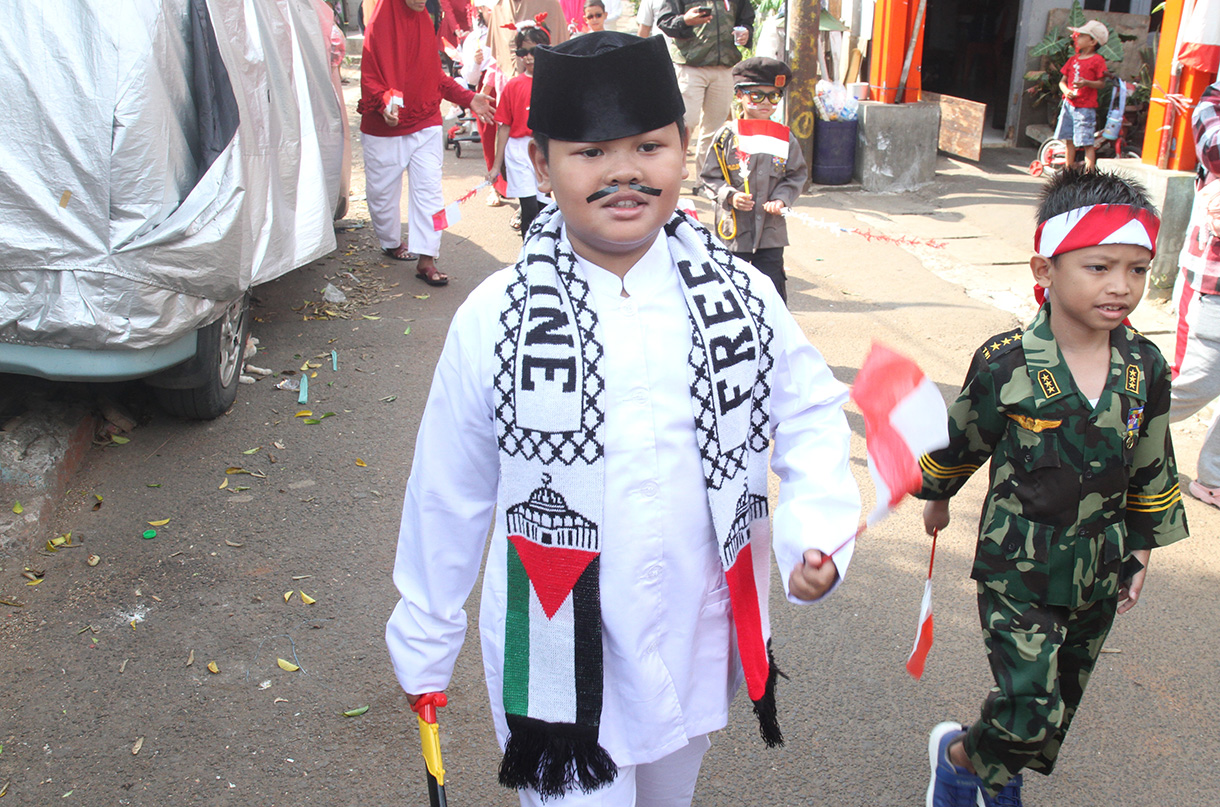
938, 471
1157, 504
1153, 499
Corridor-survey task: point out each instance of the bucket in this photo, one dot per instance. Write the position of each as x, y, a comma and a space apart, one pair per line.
859, 89
834, 151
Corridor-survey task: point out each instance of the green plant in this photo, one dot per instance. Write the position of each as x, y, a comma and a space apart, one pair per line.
768, 8
1056, 48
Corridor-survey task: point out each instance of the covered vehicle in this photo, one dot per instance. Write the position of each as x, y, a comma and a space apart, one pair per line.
160, 158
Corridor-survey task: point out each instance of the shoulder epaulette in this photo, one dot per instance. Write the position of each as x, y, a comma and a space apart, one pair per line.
1000, 344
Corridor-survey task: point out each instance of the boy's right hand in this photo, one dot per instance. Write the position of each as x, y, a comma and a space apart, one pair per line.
935, 515
743, 201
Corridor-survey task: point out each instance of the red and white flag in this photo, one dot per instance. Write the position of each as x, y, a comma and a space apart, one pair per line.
762, 137
446, 218
1199, 35
923, 636
904, 418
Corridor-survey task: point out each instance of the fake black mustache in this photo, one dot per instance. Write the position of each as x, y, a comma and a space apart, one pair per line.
635, 186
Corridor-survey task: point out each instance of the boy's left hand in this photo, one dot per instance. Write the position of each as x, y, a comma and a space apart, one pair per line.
1129, 594
813, 576
775, 207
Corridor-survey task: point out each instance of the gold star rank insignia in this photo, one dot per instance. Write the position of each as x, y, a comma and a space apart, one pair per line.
1134, 377
1046, 379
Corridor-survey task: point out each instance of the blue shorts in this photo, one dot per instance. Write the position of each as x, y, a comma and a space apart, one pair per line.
1080, 123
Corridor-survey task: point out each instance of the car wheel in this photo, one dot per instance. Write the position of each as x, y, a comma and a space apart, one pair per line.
219, 352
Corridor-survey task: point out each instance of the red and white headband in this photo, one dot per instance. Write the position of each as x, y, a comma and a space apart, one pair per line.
1095, 225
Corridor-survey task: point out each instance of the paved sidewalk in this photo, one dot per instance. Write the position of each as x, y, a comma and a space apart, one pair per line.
983, 213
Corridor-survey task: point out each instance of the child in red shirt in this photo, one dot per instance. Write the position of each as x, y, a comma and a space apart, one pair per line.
513, 135
1082, 78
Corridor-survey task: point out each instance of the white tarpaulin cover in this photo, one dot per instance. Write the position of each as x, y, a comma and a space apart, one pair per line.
158, 158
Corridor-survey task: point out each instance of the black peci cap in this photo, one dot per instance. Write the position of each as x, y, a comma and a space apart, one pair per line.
602, 86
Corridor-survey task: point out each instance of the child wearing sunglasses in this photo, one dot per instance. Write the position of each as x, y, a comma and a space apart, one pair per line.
513, 135
756, 172
595, 15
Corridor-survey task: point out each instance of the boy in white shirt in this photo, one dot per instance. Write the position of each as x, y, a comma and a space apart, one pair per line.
608, 406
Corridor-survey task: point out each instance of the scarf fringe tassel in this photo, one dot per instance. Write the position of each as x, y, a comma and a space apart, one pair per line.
764, 707
552, 765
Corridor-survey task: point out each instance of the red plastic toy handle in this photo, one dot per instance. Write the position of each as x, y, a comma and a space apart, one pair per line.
427, 704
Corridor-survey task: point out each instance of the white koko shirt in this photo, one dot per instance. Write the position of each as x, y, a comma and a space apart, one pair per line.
671, 665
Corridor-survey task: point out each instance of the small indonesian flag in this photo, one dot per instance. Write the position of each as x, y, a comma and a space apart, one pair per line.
762, 137
923, 636
446, 218
453, 53
393, 101
904, 418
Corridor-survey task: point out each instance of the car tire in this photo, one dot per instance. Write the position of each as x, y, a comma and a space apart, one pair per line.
219, 351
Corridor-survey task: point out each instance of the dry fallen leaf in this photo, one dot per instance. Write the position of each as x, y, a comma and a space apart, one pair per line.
224, 484
304, 413
190, 659
278, 445
287, 666
123, 666
287, 596
361, 463
160, 523
93, 560
279, 700
212, 668
308, 600
135, 749
232, 543
301, 576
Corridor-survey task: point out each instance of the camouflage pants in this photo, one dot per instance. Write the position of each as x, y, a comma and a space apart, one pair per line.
1041, 657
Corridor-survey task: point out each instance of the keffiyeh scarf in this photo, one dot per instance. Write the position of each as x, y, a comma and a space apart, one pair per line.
550, 415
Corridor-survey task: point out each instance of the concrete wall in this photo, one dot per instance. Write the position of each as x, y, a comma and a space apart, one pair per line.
896, 146
1173, 192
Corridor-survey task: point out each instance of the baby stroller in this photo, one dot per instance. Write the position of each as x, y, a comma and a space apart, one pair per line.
462, 131
1109, 142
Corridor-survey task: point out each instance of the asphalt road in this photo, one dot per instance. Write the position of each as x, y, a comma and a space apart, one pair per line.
107, 694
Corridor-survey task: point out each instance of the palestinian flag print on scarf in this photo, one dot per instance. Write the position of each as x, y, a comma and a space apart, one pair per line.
553, 658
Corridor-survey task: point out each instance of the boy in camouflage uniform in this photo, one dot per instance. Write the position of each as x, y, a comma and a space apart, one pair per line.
1073, 412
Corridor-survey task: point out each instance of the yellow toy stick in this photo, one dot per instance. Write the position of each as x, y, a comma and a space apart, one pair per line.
430, 738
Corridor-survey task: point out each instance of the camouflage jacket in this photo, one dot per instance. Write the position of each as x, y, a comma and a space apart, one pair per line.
1073, 489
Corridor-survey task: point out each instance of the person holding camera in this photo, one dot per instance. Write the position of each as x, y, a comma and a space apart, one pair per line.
704, 39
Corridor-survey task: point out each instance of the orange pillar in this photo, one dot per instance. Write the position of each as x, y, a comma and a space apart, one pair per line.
1191, 83
893, 21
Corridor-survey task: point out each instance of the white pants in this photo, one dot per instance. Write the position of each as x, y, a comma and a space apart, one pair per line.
668, 782
708, 95
518, 169
1197, 359
420, 154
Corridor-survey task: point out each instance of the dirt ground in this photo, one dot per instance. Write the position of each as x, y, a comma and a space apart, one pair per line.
108, 696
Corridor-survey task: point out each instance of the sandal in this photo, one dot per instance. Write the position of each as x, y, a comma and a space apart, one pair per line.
400, 253
515, 222
434, 278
